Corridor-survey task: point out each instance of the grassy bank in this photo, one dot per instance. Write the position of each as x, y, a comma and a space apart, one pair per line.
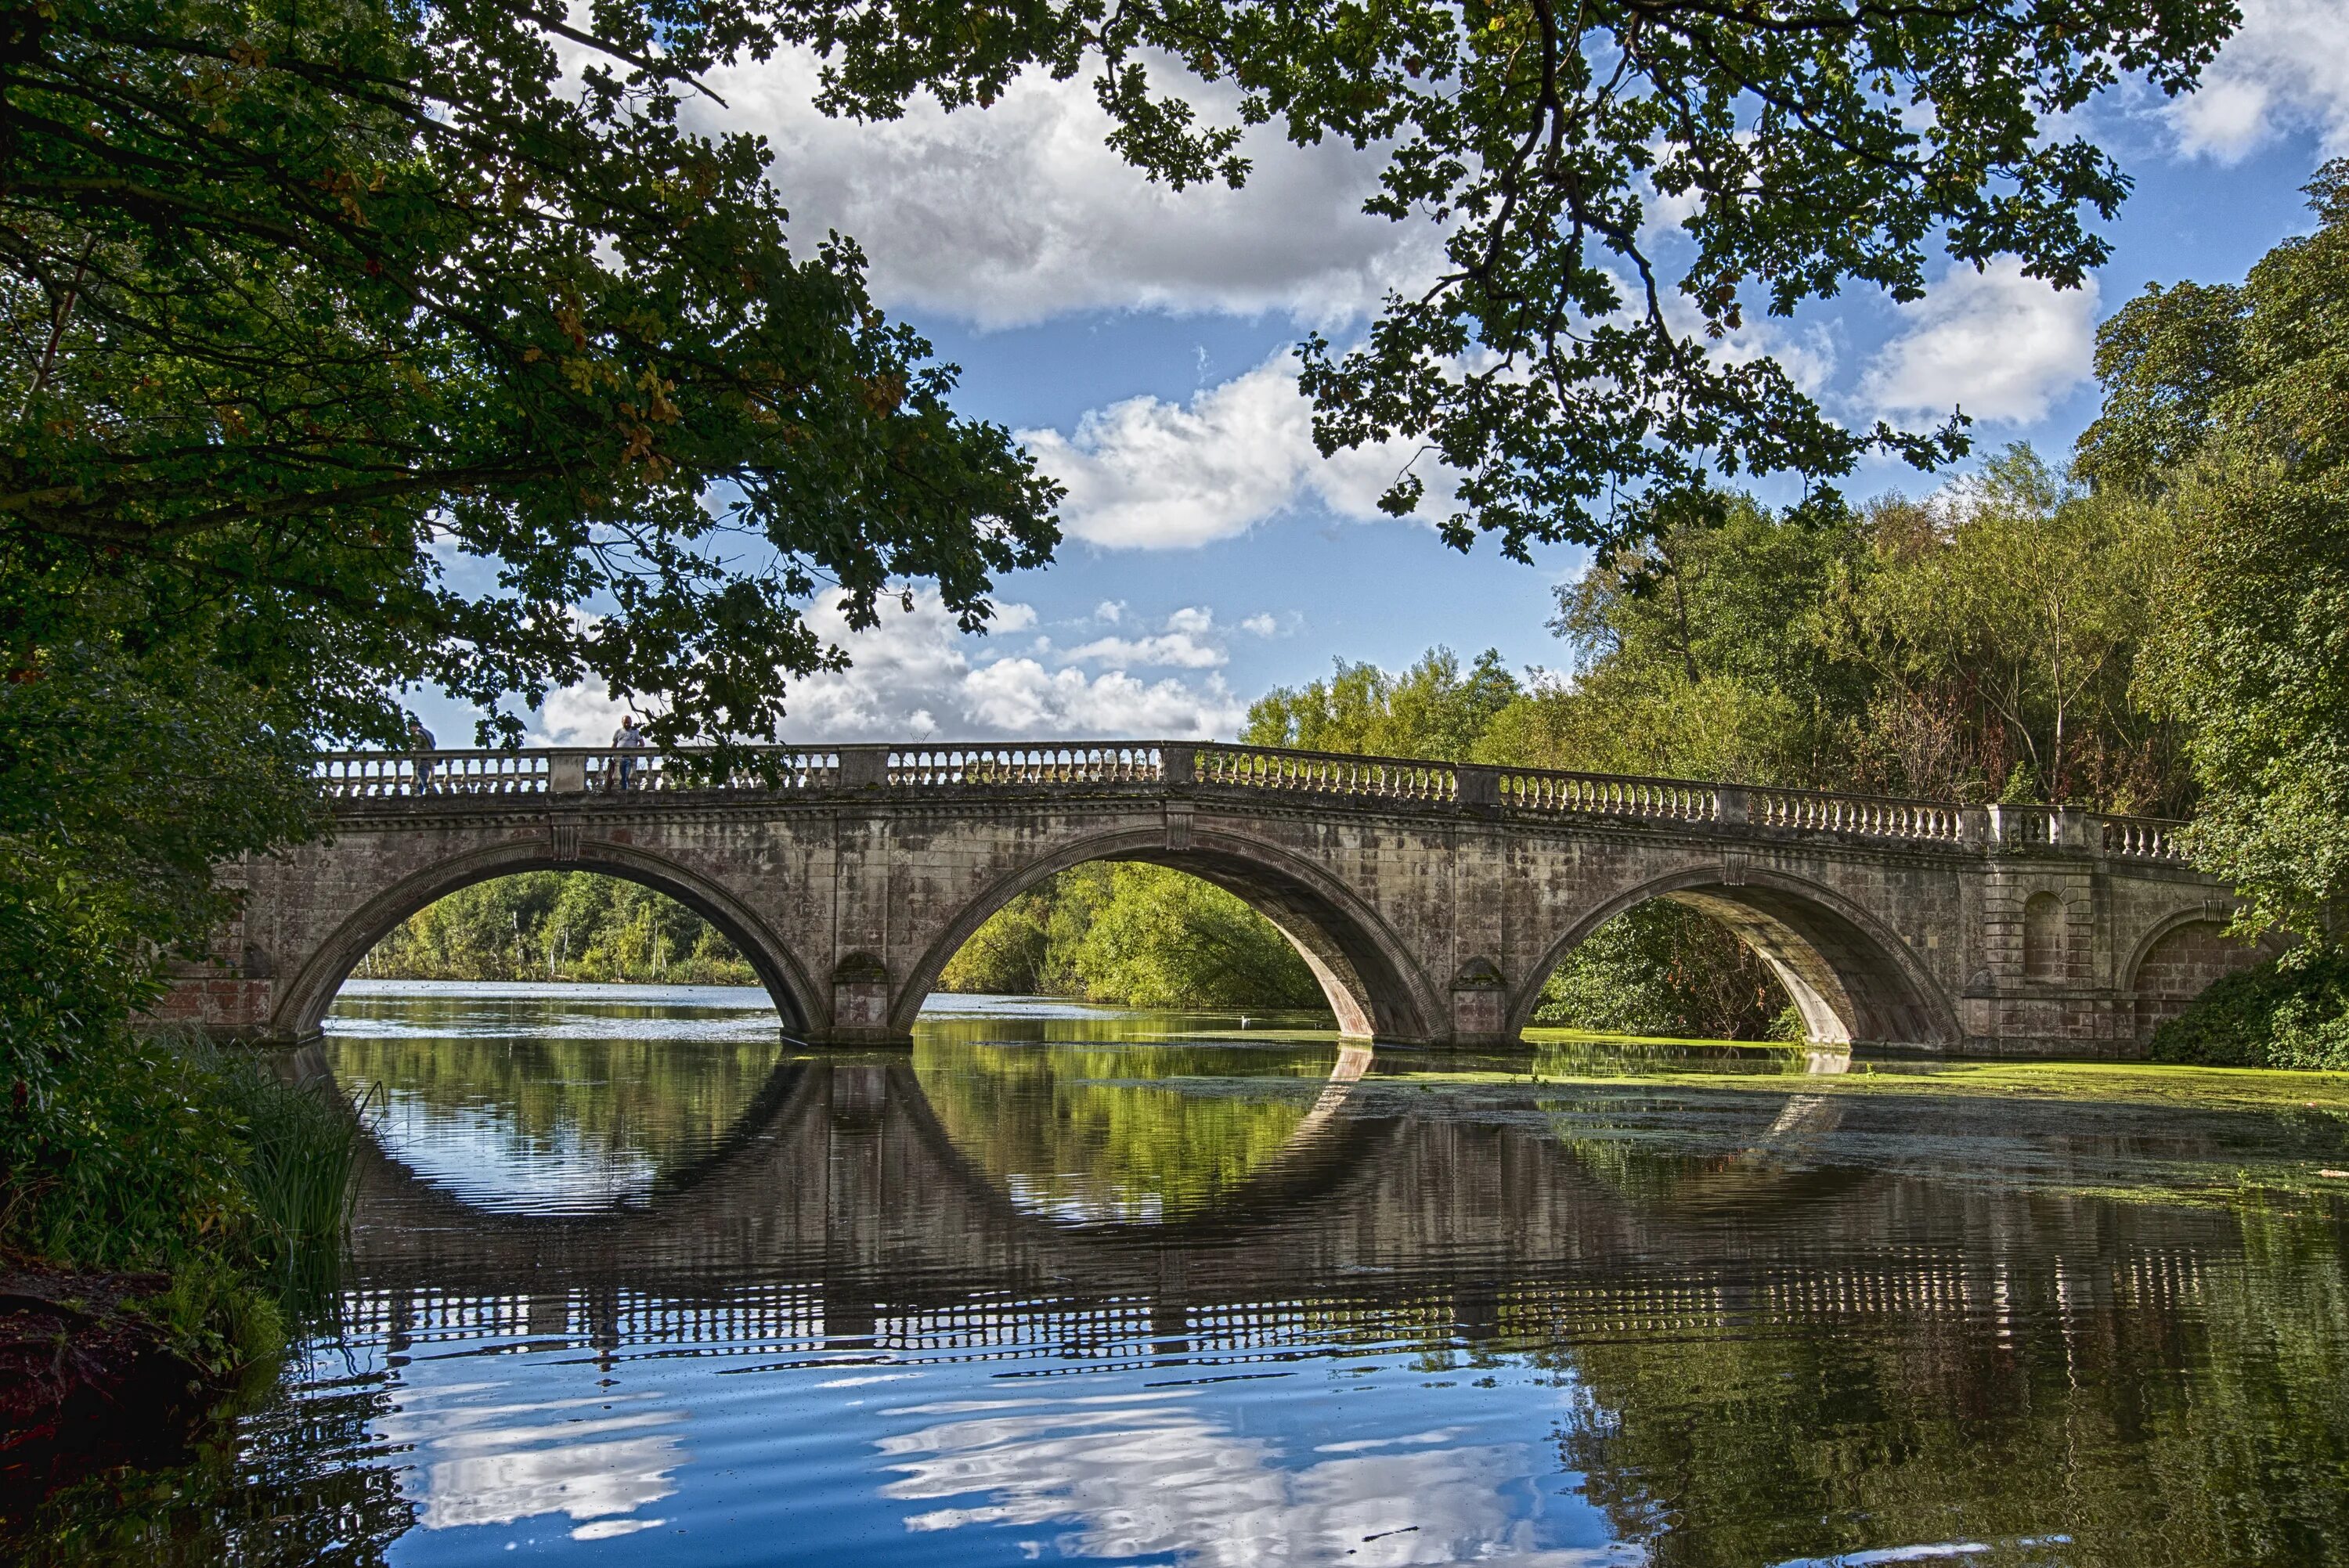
157, 1264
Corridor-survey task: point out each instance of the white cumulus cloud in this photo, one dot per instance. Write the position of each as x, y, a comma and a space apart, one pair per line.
1183, 644
2285, 70
1020, 212
916, 676
1996, 344
1145, 473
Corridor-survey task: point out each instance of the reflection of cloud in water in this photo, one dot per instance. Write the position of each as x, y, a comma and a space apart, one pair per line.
1074, 1200
482, 1466
479, 1154
1148, 1476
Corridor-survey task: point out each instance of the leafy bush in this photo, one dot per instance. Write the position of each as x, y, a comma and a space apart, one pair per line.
124, 1157
1665, 970
2291, 1012
1136, 935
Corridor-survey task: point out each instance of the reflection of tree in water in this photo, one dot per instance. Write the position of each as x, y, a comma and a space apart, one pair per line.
1676, 1146
2023, 1409
1076, 1131
283, 1492
664, 1100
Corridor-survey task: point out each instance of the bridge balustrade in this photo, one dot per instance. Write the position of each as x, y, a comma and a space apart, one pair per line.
1160, 765
933, 767
1606, 795
1325, 773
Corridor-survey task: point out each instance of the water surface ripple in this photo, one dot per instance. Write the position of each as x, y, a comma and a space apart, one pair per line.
635, 1282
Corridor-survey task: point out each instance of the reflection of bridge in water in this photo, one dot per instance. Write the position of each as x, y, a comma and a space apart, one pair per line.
846, 1218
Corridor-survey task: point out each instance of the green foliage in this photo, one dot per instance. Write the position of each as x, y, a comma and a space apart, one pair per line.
2292, 1012
1432, 709
128, 1158
1986, 643
1161, 938
1012, 953
650, 1100
558, 925
1138, 936
2001, 635
300, 1171
1564, 362
1665, 970
302, 302
1092, 1131
2223, 410
213, 1319
126, 772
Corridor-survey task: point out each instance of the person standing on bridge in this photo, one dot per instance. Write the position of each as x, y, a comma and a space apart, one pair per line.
628, 737
420, 741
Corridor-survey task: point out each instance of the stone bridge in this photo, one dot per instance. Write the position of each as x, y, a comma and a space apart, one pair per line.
1432, 900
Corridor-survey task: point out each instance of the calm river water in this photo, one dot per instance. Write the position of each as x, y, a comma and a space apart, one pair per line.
632, 1283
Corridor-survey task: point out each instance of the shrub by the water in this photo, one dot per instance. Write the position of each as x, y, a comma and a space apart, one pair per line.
158, 1152
2292, 1012
1663, 969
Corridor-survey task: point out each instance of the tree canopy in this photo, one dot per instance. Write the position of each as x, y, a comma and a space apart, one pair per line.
2224, 412
1565, 361
426, 341
413, 332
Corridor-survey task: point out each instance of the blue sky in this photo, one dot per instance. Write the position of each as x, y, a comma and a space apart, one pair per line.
1139, 340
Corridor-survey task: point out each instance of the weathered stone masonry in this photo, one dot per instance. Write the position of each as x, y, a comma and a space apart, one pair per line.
1430, 900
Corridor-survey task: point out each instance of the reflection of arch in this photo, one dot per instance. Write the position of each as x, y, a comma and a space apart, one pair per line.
1852, 980
1374, 985
780, 1157
305, 998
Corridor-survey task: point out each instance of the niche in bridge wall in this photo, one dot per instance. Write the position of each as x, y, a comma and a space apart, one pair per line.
557, 925
1135, 936
1669, 970
2042, 937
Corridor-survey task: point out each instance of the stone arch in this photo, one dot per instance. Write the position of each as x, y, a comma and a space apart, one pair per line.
302, 1001
1853, 980
1374, 987
2179, 956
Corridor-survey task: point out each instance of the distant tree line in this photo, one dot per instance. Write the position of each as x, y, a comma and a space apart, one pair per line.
558, 925
1136, 935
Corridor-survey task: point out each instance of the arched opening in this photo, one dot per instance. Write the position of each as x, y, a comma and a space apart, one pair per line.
1371, 989
1848, 980
2042, 937
1667, 968
304, 997
553, 1041
1132, 935
1141, 1038
2180, 959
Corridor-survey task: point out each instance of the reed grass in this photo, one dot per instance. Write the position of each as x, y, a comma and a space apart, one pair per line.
301, 1171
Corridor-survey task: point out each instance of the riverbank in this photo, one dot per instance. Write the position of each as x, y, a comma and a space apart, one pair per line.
101, 1368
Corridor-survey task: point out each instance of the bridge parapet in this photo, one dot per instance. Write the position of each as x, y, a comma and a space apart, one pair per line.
1160, 766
